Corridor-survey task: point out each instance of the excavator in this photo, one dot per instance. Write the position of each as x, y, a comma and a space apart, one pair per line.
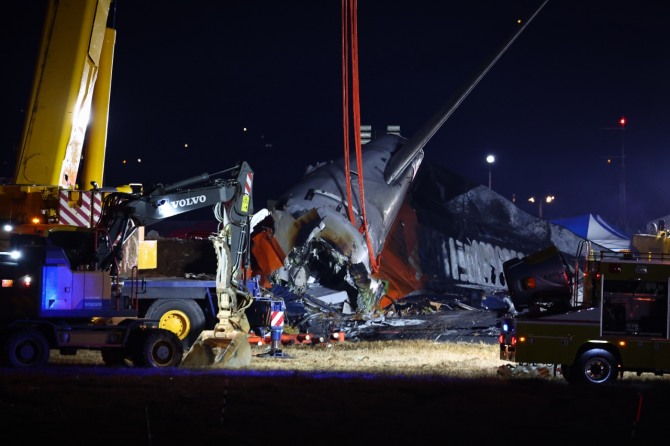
61, 287
67, 292
226, 345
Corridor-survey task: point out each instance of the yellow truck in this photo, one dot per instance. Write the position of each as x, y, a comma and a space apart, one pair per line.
595, 321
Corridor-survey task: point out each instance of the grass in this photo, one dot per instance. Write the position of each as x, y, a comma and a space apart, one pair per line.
399, 357
388, 357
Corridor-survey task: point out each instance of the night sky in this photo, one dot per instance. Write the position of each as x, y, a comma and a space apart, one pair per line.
190, 76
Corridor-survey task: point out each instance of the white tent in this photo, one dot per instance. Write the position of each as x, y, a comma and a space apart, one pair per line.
595, 229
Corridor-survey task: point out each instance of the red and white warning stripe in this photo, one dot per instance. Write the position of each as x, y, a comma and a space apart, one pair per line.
78, 212
247, 185
277, 319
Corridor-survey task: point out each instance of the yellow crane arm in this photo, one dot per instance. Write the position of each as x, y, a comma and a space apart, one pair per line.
68, 66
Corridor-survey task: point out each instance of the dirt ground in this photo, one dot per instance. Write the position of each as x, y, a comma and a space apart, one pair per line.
353, 393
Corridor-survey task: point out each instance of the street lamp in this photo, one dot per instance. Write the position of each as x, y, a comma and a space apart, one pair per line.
490, 159
548, 199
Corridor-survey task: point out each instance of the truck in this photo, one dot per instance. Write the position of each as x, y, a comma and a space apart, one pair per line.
48, 300
604, 316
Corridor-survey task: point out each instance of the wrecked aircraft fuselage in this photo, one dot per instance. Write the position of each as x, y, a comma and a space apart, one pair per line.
323, 248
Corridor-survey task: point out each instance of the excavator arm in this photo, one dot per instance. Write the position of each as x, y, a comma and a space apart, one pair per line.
230, 198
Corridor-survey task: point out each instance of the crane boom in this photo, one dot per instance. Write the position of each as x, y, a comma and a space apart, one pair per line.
68, 66
71, 83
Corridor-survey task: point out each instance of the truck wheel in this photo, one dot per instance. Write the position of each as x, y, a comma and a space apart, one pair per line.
25, 348
596, 366
157, 348
182, 317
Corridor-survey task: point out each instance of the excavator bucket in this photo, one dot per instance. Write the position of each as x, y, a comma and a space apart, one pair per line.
209, 350
227, 345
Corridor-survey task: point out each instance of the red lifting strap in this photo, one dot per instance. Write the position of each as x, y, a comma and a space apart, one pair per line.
350, 34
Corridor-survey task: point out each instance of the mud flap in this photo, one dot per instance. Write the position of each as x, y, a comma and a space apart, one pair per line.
211, 351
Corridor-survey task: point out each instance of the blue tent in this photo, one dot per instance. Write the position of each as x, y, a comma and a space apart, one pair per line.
595, 229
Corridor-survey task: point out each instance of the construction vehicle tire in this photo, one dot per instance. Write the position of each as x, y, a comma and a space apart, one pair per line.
157, 348
25, 348
185, 318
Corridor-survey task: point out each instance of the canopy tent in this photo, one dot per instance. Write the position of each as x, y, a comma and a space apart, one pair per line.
595, 229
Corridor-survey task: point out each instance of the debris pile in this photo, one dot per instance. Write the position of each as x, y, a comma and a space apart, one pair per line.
529, 370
